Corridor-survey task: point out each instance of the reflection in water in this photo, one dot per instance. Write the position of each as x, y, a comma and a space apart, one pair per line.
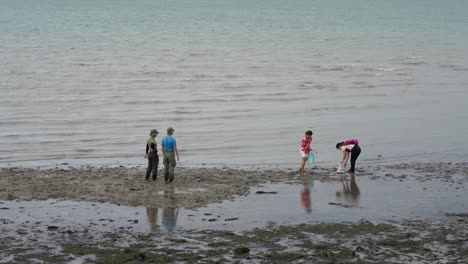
350, 193
169, 212
306, 199
152, 214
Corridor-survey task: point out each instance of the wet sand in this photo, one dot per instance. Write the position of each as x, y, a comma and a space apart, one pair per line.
424, 241
196, 187
127, 186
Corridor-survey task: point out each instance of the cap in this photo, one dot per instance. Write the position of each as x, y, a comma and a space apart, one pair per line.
170, 129
154, 132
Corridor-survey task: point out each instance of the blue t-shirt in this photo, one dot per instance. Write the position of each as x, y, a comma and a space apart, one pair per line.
168, 143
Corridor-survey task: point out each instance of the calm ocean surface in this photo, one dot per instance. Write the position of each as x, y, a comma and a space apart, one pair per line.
83, 82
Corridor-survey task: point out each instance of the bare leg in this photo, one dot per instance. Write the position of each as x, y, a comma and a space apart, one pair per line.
303, 165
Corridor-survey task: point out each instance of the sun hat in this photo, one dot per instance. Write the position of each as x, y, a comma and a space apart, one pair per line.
154, 132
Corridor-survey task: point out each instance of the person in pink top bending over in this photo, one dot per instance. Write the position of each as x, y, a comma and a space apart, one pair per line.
305, 149
350, 146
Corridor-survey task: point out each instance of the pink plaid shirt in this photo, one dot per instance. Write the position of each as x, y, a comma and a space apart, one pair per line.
305, 144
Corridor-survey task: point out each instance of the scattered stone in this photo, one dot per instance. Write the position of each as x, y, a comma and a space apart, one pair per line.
140, 257
457, 215
231, 219
241, 251
340, 205
359, 248
265, 192
178, 241
212, 219
22, 232
52, 228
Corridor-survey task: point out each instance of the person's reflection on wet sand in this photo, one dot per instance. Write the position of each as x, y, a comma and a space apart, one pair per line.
306, 199
152, 214
350, 193
171, 211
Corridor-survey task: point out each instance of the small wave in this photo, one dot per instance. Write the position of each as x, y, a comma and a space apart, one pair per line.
334, 68
281, 100
186, 112
362, 85
159, 73
379, 69
87, 64
238, 116
196, 54
410, 60
365, 75
313, 66
448, 66
453, 67
84, 150
413, 63
141, 102
397, 84
329, 68
82, 64
319, 86
253, 95
414, 57
238, 111
209, 100
233, 87
200, 76
231, 76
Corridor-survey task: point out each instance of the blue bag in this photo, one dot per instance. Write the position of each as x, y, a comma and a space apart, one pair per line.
311, 158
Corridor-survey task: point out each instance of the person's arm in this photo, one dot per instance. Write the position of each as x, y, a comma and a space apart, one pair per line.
176, 152
146, 153
345, 158
162, 148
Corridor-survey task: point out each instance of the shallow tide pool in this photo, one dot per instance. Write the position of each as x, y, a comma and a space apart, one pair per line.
349, 200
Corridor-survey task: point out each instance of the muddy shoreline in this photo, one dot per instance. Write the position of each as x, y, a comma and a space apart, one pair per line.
413, 240
196, 187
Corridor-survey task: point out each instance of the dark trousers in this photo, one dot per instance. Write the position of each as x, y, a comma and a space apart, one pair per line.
354, 155
153, 162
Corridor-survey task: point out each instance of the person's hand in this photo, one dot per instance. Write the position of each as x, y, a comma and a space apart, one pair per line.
177, 158
146, 156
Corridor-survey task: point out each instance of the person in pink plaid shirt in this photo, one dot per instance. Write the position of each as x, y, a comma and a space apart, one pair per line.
305, 148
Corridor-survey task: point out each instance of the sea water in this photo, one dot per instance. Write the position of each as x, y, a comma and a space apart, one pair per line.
83, 82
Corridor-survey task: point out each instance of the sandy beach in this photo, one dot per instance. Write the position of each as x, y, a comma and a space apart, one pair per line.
438, 240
